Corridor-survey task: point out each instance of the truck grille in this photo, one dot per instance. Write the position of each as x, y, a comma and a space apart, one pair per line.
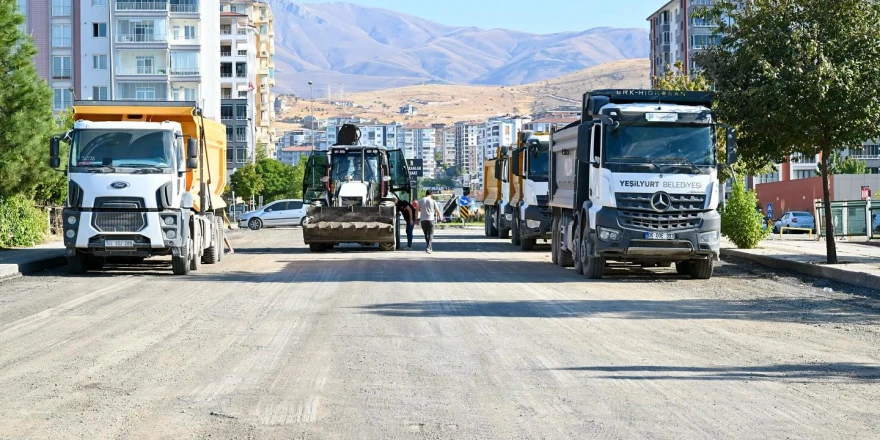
119, 214
683, 213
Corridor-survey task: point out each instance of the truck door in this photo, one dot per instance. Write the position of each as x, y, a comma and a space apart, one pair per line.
598, 133
399, 174
316, 168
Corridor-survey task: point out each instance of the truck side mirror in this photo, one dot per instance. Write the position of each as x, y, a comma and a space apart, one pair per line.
54, 152
515, 162
192, 149
731, 146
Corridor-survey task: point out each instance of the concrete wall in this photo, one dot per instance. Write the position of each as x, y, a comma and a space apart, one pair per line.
790, 195
849, 186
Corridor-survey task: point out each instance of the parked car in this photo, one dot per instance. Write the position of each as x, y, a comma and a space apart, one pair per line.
795, 219
235, 211
278, 213
875, 222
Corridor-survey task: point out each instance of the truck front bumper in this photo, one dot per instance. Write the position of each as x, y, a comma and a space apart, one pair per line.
702, 242
537, 222
83, 233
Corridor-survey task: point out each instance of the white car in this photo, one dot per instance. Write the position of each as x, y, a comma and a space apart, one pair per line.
875, 222
278, 213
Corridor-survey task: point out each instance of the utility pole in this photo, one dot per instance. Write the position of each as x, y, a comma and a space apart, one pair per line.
312, 111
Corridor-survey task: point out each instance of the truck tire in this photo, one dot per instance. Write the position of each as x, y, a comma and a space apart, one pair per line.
491, 221
196, 261
701, 269
514, 232
577, 255
486, 223
527, 244
502, 231
594, 267
564, 257
683, 268
77, 264
386, 247
554, 241
212, 254
180, 263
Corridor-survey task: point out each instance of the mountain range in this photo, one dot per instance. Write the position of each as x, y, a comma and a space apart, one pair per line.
363, 48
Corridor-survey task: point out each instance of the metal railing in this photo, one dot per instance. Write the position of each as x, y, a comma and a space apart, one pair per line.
225, 74
60, 73
185, 71
185, 7
141, 38
141, 70
141, 6
225, 53
225, 31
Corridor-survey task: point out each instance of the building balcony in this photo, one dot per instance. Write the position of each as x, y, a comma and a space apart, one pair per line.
61, 11
185, 6
187, 40
225, 53
137, 5
60, 73
134, 70
141, 38
185, 71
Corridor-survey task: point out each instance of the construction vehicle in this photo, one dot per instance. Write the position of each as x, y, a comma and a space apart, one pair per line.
636, 181
353, 190
529, 168
497, 190
144, 179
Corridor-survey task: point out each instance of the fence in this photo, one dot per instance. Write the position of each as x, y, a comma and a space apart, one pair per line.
850, 218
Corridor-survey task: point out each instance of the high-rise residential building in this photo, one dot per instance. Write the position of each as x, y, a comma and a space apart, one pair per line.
448, 158
127, 50
264, 23
372, 133
677, 34
467, 136
419, 142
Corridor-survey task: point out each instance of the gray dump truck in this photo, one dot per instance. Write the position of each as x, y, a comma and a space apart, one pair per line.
353, 190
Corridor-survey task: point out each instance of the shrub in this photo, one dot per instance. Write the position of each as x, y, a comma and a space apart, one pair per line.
740, 221
21, 224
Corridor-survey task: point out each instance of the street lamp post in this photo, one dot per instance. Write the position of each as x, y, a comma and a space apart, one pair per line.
312, 114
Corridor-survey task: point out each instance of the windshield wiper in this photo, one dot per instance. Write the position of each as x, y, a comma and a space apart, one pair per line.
649, 160
143, 168
102, 169
689, 162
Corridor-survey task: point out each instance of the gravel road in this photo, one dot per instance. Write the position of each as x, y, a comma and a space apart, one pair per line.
475, 341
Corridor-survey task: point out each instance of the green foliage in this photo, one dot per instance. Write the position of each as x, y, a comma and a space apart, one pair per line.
278, 180
21, 224
246, 182
52, 190
740, 222
678, 80
838, 164
262, 152
25, 110
453, 172
796, 77
297, 174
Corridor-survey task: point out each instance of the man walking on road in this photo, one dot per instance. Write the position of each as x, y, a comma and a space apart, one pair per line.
409, 215
429, 213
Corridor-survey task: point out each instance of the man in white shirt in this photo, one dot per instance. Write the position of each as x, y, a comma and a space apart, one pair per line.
429, 212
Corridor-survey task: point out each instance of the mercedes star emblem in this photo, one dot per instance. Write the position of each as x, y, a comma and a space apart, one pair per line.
661, 201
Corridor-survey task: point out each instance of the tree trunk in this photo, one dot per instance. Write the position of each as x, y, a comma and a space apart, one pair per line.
830, 247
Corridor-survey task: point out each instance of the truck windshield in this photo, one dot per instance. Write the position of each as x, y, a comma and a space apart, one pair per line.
121, 148
673, 148
539, 161
351, 163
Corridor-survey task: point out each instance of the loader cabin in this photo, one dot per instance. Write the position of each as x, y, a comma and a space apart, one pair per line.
376, 166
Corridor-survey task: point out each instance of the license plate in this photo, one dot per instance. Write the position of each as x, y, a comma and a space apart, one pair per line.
659, 235
118, 243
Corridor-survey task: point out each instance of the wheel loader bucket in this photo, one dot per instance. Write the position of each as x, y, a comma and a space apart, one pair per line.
352, 224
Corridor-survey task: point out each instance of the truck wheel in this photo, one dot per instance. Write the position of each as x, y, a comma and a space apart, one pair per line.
77, 264
502, 231
386, 247
492, 221
577, 255
683, 267
180, 263
565, 258
514, 232
212, 254
701, 269
594, 267
486, 224
196, 261
554, 241
527, 244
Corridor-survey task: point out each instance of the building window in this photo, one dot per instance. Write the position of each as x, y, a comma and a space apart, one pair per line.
241, 134
60, 8
804, 174
241, 70
61, 67
185, 63
241, 112
264, 29
240, 155
100, 93
99, 2
225, 29
233, 8
225, 93
228, 135
242, 94
99, 30
230, 153
700, 22
867, 151
99, 62
702, 41
145, 93
226, 112
145, 64
184, 94
60, 35
801, 158
62, 99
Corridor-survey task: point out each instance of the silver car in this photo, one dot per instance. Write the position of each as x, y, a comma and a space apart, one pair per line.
278, 213
795, 219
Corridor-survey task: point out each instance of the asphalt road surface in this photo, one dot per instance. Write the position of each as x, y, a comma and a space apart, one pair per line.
476, 341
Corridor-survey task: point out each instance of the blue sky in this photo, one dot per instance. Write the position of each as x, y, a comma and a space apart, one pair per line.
530, 16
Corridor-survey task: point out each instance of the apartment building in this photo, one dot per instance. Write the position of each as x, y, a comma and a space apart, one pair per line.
51, 24
500, 132
292, 155
419, 142
676, 35
372, 133
467, 137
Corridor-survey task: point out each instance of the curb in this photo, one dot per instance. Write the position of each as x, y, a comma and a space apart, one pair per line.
12, 270
859, 279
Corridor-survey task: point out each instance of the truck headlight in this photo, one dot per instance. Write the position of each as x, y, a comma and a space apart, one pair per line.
171, 234
70, 233
71, 220
606, 234
709, 237
533, 223
169, 221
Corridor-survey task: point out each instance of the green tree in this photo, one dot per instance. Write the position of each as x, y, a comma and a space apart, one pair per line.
52, 189
246, 182
837, 164
262, 152
740, 221
797, 76
678, 80
297, 174
25, 110
277, 180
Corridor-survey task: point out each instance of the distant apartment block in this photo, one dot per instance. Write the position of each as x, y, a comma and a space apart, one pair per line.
419, 142
294, 154
467, 137
676, 35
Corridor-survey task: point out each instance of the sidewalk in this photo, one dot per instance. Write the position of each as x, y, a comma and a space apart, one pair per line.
14, 262
859, 263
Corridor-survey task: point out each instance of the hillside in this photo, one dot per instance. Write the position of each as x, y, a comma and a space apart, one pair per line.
370, 48
450, 103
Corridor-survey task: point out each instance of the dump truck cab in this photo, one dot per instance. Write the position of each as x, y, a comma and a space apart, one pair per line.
530, 169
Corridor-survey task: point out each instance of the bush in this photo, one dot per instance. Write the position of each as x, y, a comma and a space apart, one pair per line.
740, 222
21, 224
